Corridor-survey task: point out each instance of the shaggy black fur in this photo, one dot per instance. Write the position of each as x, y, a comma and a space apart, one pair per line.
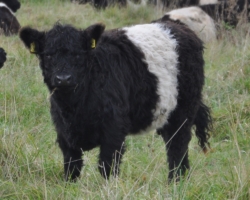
100, 95
2, 57
8, 22
14, 5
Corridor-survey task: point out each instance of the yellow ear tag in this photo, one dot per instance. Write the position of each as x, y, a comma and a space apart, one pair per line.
32, 47
93, 43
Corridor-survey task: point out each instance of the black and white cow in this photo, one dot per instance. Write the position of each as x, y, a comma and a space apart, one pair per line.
231, 12
14, 5
203, 19
9, 24
196, 19
2, 57
106, 85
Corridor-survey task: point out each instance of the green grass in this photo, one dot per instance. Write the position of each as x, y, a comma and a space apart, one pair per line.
31, 162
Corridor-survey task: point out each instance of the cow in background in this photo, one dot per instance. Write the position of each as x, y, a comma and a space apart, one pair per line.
230, 12
9, 24
196, 19
205, 19
14, 5
101, 4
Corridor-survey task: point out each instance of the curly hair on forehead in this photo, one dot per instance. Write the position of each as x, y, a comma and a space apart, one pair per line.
63, 37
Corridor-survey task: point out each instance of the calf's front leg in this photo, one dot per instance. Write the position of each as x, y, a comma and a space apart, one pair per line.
110, 156
72, 161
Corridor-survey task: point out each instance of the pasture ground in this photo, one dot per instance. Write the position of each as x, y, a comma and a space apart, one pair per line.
31, 162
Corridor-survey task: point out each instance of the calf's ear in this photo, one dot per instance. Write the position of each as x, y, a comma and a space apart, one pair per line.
94, 32
32, 39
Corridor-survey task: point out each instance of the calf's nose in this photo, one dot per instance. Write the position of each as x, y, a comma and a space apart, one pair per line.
63, 80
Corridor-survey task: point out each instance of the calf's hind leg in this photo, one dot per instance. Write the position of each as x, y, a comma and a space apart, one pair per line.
177, 135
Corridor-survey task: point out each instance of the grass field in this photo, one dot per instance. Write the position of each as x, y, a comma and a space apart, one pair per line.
31, 164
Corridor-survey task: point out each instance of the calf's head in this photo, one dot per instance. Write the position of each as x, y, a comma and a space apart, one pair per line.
63, 52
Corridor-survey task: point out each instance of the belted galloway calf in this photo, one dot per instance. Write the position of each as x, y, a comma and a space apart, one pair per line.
105, 85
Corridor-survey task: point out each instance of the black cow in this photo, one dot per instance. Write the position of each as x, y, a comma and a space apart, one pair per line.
231, 12
80, 1
102, 4
2, 57
106, 85
8, 22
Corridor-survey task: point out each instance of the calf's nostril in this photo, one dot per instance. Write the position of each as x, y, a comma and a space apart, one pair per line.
68, 78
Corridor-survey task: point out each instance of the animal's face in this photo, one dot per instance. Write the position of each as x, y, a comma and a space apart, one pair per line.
64, 56
14, 5
63, 52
